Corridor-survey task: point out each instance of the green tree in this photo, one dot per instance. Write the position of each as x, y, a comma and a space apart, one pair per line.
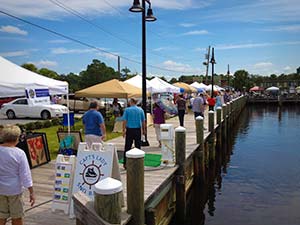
125, 71
74, 81
241, 79
48, 73
30, 66
97, 72
173, 80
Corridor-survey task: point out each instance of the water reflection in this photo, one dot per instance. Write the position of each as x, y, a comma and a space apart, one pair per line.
253, 176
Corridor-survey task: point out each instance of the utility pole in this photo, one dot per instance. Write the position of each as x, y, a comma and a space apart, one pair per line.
207, 64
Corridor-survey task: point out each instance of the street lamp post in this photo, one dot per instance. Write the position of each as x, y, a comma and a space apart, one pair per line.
136, 7
228, 74
213, 62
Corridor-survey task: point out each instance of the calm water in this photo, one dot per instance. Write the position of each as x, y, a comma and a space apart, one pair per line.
256, 179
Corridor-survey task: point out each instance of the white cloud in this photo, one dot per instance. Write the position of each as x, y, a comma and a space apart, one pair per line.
164, 49
61, 51
196, 32
13, 30
250, 45
47, 9
263, 65
108, 56
287, 28
187, 24
180, 67
14, 53
257, 11
44, 63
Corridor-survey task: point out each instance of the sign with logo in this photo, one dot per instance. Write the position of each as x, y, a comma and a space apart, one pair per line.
38, 96
92, 166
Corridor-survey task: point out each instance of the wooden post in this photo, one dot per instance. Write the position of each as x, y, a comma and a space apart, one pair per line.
180, 145
219, 115
224, 128
211, 121
219, 122
229, 115
211, 140
135, 186
199, 130
199, 159
108, 197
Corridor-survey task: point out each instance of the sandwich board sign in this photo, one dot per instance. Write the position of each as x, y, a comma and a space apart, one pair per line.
64, 171
92, 165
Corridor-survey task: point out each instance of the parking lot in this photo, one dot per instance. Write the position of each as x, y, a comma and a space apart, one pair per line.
4, 120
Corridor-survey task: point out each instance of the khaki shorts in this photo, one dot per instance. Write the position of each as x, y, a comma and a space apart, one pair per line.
11, 206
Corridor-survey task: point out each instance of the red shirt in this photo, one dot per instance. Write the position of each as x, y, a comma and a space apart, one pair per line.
211, 101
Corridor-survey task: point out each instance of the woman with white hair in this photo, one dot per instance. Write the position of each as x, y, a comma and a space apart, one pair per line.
15, 175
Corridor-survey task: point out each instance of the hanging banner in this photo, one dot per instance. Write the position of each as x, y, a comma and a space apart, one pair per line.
38, 96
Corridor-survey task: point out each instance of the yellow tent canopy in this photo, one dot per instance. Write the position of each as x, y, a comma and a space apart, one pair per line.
185, 86
110, 89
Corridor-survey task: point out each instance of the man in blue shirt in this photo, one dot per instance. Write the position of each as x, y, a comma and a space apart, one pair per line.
94, 126
134, 124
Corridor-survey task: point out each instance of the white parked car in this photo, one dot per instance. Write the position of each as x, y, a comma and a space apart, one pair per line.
20, 108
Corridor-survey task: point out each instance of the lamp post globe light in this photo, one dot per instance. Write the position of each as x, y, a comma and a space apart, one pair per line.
136, 7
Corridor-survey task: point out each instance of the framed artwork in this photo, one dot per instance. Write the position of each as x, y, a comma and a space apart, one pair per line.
37, 149
68, 142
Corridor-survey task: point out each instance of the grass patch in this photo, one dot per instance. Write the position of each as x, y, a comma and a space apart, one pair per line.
52, 139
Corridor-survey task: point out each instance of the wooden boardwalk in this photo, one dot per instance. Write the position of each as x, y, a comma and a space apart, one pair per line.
43, 177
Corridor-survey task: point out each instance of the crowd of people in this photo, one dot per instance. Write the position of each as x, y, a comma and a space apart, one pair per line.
15, 172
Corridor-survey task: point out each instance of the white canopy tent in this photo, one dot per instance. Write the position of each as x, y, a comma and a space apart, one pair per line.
137, 81
216, 88
15, 79
199, 85
272, 88
163, 86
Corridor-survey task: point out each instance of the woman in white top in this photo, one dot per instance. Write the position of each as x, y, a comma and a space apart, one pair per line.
15, 175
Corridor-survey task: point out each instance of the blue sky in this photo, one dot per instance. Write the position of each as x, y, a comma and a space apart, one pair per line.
260, 36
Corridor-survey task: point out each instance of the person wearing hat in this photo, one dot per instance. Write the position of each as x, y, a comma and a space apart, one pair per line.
181, 107
134, 124
198, 105
94, 126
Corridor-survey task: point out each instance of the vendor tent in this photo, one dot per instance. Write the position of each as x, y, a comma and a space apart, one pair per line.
15, 79
163, 86
256, 88
187, 88
199, 85
138, 81
272, 88
110, 89
216, 88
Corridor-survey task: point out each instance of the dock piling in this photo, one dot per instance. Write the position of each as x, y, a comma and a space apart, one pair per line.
180, 148
135, 186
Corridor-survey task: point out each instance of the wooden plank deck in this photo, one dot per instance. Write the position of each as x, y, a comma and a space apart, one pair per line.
43, 177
